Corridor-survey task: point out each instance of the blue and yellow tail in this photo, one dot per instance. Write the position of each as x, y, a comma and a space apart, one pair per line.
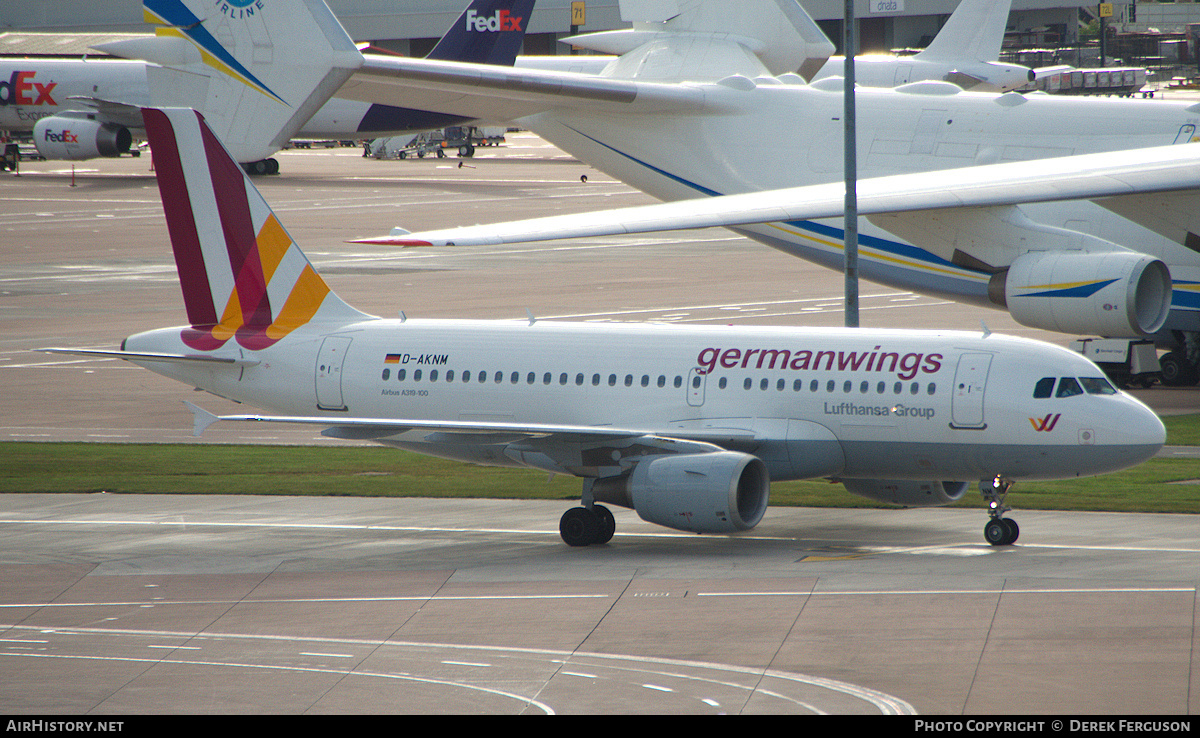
243, 277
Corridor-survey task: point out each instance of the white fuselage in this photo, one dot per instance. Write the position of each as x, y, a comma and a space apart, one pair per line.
34, 89
808, 402
31, 90
887, 70
777, 135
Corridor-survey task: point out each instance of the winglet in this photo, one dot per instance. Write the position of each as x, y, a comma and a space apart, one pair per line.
201, 418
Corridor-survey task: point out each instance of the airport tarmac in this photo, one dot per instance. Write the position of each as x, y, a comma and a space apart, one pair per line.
118, 604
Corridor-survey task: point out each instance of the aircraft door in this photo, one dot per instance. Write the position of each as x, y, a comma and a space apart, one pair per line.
695, 387
902, 73
1187, 134
970, 383
330, 361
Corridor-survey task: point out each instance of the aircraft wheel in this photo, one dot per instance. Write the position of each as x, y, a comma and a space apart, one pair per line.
1014, 531
1177, 371
1000, 531
579, 527
608, 524
272, 166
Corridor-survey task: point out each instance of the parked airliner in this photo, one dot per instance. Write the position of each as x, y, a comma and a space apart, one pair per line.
86, 108
686, 425
710, 104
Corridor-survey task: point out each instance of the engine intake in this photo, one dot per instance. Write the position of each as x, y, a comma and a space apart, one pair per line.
78, 137
719, 492
907, 492
1116, 294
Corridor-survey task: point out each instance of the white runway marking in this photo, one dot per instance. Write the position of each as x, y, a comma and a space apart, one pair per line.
413, 656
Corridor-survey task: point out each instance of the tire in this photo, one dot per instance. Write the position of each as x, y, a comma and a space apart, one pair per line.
579, 527
1177, 371
1014, 530
608, 524
996, 532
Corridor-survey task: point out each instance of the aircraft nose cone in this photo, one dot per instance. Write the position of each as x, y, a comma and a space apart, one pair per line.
1140, 432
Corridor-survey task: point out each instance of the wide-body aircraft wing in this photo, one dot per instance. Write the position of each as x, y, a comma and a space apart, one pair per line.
1109, 178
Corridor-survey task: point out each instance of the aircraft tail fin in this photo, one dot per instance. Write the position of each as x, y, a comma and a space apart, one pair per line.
487, 32
781, 34
974, 32
243, 277
257, 70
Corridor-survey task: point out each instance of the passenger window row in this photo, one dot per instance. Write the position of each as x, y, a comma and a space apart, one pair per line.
579, 379
1071, 386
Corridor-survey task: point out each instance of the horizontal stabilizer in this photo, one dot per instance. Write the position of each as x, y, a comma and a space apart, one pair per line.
490, 92
136, 356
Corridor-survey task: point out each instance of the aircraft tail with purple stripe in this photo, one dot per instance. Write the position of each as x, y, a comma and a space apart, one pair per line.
243, 277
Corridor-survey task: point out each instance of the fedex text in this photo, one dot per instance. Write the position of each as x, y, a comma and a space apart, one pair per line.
904, 366
65, 137
503, 20
20, 89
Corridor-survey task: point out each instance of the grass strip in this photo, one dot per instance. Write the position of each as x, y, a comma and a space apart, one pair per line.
1160, 485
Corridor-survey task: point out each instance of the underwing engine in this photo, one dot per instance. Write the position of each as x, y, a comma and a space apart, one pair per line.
719, 492
907, 492
1116, 294
79, 137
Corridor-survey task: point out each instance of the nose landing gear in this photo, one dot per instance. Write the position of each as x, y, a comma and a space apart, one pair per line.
999, 530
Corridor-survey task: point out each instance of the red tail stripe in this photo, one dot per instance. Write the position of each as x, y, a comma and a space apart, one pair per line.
229, 187
185, 241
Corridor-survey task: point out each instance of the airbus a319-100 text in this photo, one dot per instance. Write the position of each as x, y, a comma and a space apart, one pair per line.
686, 425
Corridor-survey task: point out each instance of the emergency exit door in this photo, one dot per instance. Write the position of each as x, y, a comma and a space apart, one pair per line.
970, 385
330, 360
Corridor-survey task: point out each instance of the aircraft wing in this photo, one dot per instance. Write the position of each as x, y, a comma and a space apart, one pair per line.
590, 451
491, 92
371, 428
1109, 176
121, 113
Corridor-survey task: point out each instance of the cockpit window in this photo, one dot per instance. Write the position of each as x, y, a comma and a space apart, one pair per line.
1097, 386
1044, 388
1068, 387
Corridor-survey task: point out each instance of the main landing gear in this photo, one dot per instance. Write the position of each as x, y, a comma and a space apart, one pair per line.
261, 167
581, 526
999, 530
588, 524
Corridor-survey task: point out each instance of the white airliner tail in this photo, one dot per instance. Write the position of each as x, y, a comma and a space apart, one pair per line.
974, 32
243, 277
258, 70
693, 39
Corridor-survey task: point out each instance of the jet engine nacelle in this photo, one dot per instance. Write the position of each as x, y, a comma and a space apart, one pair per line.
719, 492
1117, 294
69, 137
907, 492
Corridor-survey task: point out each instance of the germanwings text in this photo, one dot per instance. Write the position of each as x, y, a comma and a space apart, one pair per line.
904, 366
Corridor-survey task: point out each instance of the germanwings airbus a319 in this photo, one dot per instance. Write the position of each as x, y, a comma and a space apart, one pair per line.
686, 425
